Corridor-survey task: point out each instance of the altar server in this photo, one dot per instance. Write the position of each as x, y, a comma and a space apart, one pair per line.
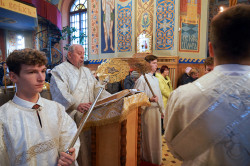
33, 130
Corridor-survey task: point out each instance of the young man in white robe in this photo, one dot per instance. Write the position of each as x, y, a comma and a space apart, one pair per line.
207, 121
151, 117
75, 87
33, 130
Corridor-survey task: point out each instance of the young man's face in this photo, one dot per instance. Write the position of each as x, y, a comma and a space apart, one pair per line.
30, 80
208, 68
77, 57
153, 65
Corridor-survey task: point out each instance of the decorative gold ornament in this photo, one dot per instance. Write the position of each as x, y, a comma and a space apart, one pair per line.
46, 86
115, 69
140, 65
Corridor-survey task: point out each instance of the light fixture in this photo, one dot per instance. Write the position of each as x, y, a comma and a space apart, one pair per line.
19, 37
221, 9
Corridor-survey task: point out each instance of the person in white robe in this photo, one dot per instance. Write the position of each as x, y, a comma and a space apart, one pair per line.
151, 117
207, 121
34, 130
75, 87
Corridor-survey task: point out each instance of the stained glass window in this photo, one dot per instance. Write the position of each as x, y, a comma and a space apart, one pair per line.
79, 20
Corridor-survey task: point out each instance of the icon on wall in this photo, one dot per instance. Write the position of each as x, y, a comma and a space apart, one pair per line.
145, 20
144, 43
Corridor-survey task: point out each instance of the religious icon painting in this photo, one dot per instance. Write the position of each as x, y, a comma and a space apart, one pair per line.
144, 43
190, 26
107, 26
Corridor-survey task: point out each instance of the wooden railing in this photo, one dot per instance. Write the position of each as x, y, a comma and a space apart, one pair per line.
170, 61
176, 68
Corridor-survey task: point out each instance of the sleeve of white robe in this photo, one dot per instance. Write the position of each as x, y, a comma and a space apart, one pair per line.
68, 130
60, 91
173, 120
141, 85
4, 158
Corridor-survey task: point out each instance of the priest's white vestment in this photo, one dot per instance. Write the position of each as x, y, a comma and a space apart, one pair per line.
71, 86
207, 122
151, 121
27, 142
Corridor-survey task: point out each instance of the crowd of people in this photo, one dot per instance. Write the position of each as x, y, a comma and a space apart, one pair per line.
206, 119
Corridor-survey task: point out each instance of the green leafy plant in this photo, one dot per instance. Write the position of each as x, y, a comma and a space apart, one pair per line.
68, 33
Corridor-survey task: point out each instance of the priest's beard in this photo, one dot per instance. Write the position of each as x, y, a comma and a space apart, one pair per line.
79, 64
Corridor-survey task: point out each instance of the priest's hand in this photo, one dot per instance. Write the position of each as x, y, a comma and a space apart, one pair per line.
83, 107
67, 159
153, 99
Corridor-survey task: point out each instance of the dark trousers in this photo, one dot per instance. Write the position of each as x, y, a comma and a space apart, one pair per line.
162, 128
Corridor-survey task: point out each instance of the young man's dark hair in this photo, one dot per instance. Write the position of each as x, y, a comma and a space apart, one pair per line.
150, 58
25, 56
230, 35
209, 61
209, 64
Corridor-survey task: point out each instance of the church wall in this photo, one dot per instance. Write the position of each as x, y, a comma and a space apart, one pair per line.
65, 7
162, 19
123, 28
196, 13
190, 20
165, 34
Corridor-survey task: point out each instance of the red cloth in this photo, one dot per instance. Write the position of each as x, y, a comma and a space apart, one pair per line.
36, 106
40, 7
28, 1
59, 20
47, 11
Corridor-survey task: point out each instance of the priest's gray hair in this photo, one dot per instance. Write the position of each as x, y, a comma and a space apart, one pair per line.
72, 48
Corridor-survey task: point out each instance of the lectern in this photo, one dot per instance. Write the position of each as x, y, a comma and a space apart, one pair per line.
115, 129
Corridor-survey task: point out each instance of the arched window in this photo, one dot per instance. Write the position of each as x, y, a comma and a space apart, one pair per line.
79, 20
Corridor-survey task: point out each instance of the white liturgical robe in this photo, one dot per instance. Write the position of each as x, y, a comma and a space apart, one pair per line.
207, 121
71, 86
23, 141
151, 121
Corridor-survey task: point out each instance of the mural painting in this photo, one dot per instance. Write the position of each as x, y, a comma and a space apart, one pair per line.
124, 27
190, 25
145, 10
145, 20
94, 27
165, 18
107, 26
